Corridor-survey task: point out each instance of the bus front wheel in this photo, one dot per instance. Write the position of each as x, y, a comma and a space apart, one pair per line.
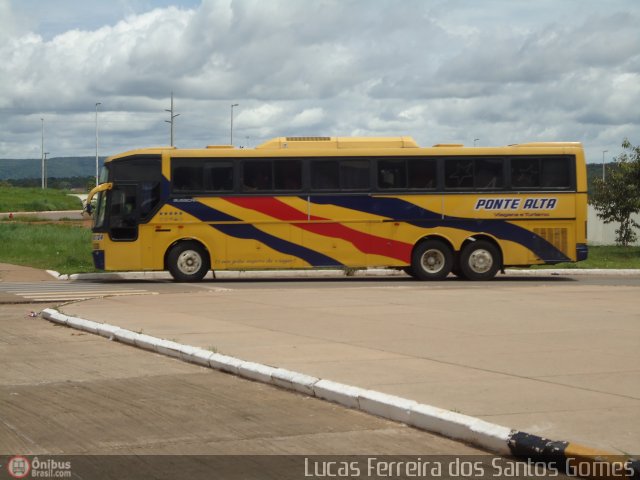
188, 262
480, 260
431, 260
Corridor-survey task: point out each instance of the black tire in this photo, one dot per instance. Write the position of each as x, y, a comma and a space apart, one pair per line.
480, 260
431, 260
188, 262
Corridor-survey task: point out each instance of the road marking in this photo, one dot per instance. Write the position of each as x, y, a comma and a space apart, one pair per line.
56, 291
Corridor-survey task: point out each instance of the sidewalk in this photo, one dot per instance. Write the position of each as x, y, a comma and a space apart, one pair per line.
47, 215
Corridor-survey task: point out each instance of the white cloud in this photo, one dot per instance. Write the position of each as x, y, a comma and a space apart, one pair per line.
441, 71
309, 117
259, 116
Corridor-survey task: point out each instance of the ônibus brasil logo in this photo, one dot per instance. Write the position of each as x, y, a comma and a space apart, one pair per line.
18, 466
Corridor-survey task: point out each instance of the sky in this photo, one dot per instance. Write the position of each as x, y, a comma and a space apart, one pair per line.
490, 72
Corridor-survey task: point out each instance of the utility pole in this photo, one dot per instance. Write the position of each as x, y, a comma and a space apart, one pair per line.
171, 118
603, 152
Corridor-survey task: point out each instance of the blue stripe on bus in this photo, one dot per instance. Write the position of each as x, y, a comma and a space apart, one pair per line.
245, 231
403, 211
392, 208
201, 211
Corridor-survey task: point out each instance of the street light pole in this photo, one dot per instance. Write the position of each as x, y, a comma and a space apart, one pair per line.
42, 153
475, 140
44, 169
97, 167
231, 133
603, 152
171, 118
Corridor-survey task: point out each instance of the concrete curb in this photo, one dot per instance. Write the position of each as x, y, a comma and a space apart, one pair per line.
370, 272
494, 438
75, 214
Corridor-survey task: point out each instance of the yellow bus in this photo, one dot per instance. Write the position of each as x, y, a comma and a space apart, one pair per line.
349, 203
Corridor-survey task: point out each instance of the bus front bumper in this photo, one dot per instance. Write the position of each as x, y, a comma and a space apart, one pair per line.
98, 259
582, 252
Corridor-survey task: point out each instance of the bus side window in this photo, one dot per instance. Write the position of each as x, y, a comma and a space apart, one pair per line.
287, 174
256, 175
354, 174
422, 173
392, 173
149, 198
488, 173
218, 177
187, 179
525, 172
555, 172
459, 173
325, 175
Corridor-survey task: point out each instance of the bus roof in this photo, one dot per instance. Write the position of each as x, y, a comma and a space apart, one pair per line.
338, 142
352, 143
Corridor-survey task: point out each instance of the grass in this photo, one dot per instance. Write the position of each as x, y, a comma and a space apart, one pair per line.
16, 199
66, 248
61, 247
606, 257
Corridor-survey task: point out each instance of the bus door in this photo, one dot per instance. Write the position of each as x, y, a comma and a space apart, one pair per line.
122, 228
131, 205
123, 213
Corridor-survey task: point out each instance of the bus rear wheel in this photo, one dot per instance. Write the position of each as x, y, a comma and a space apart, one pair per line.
188, 262
431, 260
480, 260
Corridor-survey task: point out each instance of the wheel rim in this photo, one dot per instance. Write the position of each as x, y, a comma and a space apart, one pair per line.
189, 262
432, 261
480, 260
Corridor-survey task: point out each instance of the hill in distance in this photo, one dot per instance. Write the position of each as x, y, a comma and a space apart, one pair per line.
57, 167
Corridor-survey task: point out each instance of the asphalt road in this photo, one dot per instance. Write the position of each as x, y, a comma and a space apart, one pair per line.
57, 290
168, 286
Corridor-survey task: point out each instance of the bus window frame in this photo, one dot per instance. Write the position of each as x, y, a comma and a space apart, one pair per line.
570, 159
438, 162
202, 191
474, 159
242, 188
435, 161
340, 189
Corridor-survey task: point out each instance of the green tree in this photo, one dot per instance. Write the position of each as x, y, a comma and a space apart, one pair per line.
618, 197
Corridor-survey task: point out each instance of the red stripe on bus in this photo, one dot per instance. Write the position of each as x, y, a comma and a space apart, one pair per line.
364, 242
